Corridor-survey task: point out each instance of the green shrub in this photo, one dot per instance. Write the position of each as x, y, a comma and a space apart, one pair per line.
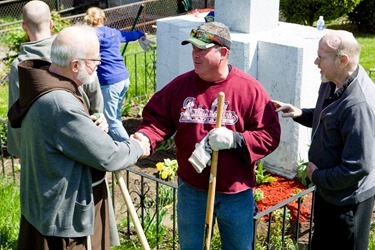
277, 233
307, 12
261, 174
10, 214
17, 35
371, 245
363, 16
14, 38
58, 22
258, 194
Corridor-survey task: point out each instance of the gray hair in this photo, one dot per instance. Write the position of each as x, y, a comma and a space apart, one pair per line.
343, 42
71, 43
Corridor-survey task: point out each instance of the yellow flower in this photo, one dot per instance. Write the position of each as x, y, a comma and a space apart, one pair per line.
159, 166
164, 175
168, 171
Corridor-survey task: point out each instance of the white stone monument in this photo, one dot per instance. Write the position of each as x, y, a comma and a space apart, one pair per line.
279, 55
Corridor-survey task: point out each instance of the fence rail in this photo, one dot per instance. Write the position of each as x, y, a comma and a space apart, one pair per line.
268, 214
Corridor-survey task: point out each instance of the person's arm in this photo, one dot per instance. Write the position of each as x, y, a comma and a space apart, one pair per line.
13, 84
79, 138
14, 134
157, 125
306, 118
130, 36
261, 137
302, 116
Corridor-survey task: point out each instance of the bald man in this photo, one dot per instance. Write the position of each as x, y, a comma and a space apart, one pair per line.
65, 155
37, 24
342, 150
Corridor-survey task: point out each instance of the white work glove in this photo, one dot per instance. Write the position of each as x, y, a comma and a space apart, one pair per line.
146, 44
201, 156
221, 138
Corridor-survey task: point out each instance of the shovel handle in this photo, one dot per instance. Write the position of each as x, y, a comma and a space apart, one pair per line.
133, 212
212, 180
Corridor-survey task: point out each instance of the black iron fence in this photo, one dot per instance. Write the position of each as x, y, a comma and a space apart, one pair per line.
283, 230
155, 201
275, 228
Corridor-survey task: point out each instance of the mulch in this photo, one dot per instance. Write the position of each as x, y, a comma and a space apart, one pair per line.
282, 189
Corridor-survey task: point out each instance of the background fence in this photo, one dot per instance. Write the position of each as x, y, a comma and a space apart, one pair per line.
120, 17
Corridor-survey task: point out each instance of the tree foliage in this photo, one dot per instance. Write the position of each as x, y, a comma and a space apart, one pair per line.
16, 36
306, 12
363, 16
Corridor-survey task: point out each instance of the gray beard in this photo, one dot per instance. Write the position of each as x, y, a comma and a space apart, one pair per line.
323, 79
84, 77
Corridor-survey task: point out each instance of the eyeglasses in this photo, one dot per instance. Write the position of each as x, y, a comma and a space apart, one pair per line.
319, 58
208, 37
97, 61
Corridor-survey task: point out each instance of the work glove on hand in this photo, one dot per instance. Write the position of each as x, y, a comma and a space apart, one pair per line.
201, 156
146, 44
221, 138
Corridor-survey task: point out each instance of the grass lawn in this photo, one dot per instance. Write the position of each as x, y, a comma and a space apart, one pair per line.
3, 101
368, 51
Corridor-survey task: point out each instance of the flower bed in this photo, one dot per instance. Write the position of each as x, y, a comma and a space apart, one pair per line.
282, 189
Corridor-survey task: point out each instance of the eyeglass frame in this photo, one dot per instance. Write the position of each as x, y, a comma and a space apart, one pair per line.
98, 61
338, 53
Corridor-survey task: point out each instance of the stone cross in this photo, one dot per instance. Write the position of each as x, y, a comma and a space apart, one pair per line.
279, 55
248, 16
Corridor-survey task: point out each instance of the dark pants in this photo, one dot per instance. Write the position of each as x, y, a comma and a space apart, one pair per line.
341, 227
30, 238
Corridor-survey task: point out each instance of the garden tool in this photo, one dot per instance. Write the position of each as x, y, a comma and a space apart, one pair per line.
212, 180
133, 26
146, 44
130, 206
133, 212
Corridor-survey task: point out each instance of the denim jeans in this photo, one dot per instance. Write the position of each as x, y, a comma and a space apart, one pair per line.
234, 214
113, 98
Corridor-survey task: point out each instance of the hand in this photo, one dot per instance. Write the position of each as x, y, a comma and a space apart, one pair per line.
221, 138
138, 136
144, 142
100, 121
287, 109
310, 170
145, 43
